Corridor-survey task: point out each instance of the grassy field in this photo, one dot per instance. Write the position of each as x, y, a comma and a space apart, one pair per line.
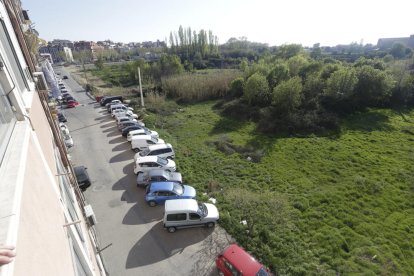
341, 204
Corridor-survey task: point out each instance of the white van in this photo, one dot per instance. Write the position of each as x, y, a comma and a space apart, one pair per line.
183, 213
162, 150
141, 142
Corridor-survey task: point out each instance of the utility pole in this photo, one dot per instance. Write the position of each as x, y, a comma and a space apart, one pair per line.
140, 87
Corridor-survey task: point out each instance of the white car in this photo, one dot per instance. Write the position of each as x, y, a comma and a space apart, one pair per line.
149, 163
120, 107
127, 113
142, 131
68, 140
141, 142
113, 102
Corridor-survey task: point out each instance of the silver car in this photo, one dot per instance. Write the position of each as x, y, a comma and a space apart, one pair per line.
145, 178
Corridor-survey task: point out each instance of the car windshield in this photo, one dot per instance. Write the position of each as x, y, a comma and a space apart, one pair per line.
144, 152
162, 161
202, 209
262, 272
178, 189
154, 140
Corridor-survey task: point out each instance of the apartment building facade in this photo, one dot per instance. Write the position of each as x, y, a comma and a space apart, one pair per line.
42, 211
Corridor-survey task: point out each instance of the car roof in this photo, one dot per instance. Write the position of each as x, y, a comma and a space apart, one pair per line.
147, 159
81, 173
159, 146
142, 137
179, 205
162, 186
242, 260
137, 131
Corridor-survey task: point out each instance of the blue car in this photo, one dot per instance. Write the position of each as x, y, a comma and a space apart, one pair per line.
159, 192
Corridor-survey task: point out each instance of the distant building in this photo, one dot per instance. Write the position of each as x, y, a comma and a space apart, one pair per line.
62, 42
58, 53
386, 43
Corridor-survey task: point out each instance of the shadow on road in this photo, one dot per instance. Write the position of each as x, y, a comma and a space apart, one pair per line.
129, 169
141, 213
124, 146
115, 132
123, 156
104, 119
109, 124
163, 245
111, 129
117, 140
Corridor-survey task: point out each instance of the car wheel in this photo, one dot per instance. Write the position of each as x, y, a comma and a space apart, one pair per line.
171, 229
210, 225
136, 149
152, 203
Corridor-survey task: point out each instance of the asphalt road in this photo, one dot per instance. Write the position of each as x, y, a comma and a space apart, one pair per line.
139, 245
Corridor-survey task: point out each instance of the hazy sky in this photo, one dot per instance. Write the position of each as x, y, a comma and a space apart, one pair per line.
329, 22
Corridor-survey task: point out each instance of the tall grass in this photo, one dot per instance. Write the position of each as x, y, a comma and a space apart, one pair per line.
193, 87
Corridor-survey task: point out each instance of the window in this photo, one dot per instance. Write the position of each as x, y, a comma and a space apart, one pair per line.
177, 217
194, 216
7, 121
15, 66
232, 269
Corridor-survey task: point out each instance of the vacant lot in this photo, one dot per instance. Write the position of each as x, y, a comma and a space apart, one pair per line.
314, 205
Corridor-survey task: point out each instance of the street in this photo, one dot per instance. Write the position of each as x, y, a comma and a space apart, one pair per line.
139, 245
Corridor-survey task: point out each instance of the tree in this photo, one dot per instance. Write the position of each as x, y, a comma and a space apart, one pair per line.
287, 95
289, 50
99, 63
341, 83
278, 74
373, 87
236, 87
296, 63
398, 50
256, 90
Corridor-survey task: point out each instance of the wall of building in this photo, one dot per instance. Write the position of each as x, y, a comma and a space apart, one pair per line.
42, 243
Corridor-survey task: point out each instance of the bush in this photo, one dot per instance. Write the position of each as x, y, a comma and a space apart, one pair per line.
256, 90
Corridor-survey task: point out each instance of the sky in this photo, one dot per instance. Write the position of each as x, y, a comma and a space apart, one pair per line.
328, 22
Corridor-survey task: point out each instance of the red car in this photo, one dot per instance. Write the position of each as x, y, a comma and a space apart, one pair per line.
235, 261
72, 103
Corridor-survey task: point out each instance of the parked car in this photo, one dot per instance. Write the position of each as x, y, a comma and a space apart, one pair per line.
126, 130
67, 139
72, 103
158, 175
120, 107
149, 163
142, 131
142, 142
183, 213
158, 192
65, 77
123, 125
161, 150
124, 119
82, 177
108, 99
123, 113
62, 118
235, 261
113, 103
